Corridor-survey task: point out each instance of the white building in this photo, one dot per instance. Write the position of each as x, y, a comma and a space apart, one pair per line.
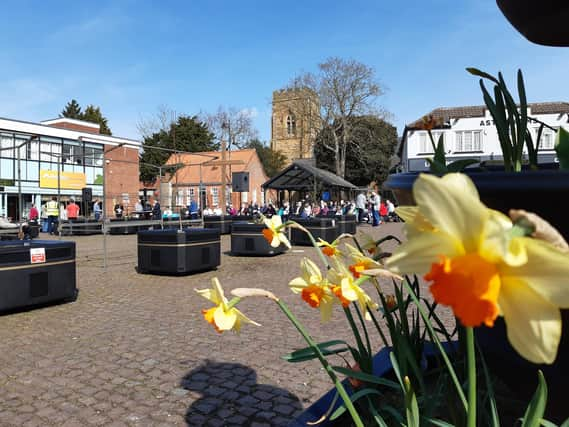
469, 132
61, 157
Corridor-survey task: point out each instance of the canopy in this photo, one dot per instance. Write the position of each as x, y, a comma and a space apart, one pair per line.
302, 175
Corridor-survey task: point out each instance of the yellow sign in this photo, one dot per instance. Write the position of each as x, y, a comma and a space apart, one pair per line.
67, 180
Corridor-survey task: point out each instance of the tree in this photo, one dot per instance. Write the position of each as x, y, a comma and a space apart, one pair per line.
233, 125
72, 110
273, 161
186, 134
368, 156
91, 114
346, 89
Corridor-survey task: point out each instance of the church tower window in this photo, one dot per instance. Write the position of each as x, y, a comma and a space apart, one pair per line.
290, 125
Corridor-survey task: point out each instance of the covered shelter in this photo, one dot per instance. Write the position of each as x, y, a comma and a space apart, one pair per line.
303, 178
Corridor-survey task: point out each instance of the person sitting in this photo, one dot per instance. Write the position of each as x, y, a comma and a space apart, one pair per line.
208, 211
156, 210
193, 209
118, 210
383, 212
217, 210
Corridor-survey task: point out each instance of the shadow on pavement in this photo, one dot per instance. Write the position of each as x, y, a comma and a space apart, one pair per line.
231, 396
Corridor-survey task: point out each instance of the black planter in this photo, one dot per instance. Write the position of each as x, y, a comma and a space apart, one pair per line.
125, 228
346, 224
541, 192
320, 227
247, 239
81, 227
543, 22
219, 222
178, 251
28, 278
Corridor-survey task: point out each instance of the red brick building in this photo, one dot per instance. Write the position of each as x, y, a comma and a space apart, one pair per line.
199, 171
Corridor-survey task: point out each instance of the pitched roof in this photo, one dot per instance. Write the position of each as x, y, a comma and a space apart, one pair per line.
443, 114
210, 174
300, 174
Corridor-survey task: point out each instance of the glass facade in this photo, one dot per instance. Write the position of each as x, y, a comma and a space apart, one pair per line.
43, 153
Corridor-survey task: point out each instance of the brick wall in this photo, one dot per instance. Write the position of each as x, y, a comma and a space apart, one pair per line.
75, 126
121, 177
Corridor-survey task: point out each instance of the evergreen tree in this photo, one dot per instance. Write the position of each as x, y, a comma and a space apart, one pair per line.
72, 110
93, 114
187, 134
273, 161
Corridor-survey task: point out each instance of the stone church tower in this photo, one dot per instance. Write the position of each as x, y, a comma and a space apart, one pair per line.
295, 123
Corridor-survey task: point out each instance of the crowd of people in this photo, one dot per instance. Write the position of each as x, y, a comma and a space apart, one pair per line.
368, 208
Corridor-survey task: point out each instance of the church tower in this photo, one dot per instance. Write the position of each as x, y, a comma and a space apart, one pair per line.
295, 123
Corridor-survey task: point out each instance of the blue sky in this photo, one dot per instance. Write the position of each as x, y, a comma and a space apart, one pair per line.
130, 57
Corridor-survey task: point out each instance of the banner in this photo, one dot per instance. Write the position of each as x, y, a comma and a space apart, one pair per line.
67, 180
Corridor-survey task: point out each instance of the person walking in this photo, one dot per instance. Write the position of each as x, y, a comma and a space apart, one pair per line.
52, 215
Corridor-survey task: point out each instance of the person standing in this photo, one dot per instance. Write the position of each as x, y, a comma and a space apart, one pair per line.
156, 210
52, 215
72, 210
97, 210
361, 206
375, 203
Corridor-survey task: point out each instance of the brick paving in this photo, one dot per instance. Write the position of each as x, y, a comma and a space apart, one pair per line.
134, 350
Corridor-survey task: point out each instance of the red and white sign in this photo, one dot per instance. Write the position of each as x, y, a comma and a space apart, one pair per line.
37, 255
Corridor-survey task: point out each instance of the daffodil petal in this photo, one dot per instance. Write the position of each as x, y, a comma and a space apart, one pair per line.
546, 272
533, 324
452, 208
406, 213
284, 239
275, 243
348, 290
418, 254
297, 284
276, 221
225, 320
244, 318
310, 269
498, 245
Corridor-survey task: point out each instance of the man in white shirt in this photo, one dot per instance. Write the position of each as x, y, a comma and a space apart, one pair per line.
361, 206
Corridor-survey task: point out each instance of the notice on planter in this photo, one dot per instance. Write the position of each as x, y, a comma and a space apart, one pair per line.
37, 255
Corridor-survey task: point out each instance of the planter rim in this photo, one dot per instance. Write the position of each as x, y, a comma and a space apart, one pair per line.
488, 180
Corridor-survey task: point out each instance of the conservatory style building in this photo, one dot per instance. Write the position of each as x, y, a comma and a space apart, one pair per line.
469, 132
61, 158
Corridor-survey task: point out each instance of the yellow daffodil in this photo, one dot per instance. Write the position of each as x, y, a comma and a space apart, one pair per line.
221, 316
329, 249
347, 290
479, 269
359, 262
274, 232
367, 243
313, 288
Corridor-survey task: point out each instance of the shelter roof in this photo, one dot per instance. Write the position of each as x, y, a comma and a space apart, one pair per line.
300, 175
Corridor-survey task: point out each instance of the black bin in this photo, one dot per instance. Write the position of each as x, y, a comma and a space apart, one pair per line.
219, 222
34, 272
247, 239
178, 251
346, 224
324, 228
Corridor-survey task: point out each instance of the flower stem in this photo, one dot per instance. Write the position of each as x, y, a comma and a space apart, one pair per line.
337, 383
471, 366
